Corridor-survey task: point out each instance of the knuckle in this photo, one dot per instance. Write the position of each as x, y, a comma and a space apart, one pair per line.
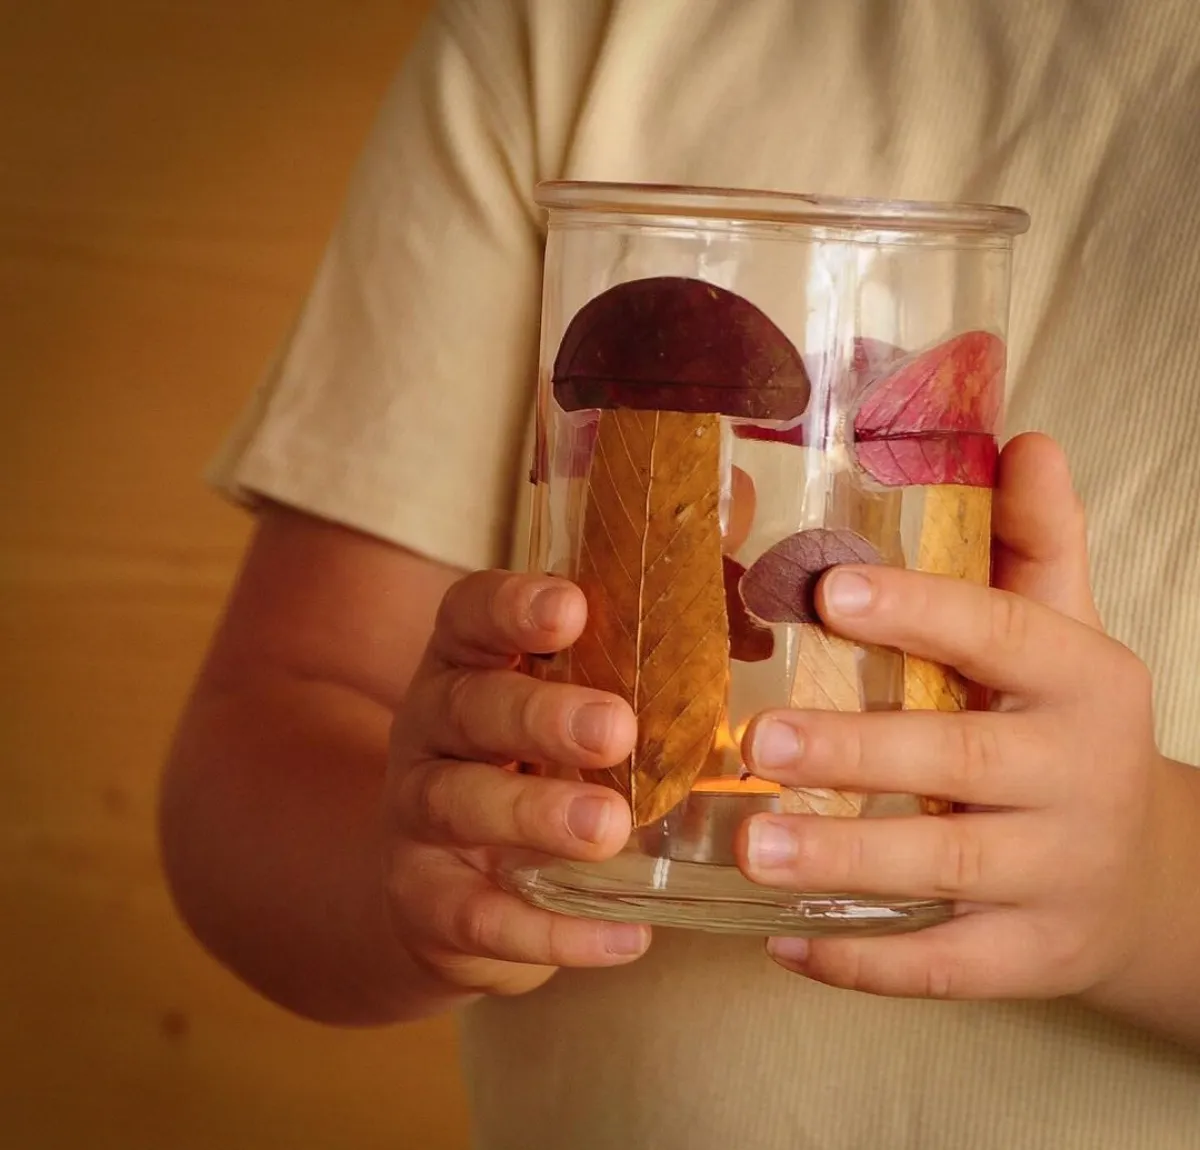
528, 813
480, 925
943, 976
434, 802
507, 603
557, 944
396, 886
1071, 950
975, 757
453, 601
537, 718
958, 860
1008, 626
851, 970
853, 751
461, 700
853, 862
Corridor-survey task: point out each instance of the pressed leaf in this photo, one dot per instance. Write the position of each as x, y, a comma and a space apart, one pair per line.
821, 801
676, 344
793, 433
831, 378
779, 585
651, 568
827, 679
953, 389
749, 640
739, 515
950, 387
576, 440
955, 540
917, 460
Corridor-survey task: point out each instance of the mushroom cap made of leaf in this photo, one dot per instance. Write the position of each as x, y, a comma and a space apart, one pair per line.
671, 343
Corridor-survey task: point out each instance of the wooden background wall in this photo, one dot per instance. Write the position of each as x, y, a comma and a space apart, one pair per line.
168, 172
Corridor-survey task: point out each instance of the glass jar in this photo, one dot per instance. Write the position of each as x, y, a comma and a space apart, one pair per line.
738, 390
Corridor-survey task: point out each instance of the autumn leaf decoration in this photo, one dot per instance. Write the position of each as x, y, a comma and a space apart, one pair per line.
932, 422
931, 419
779, 587
661, 359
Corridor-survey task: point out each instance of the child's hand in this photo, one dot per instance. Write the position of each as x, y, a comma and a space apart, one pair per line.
1052, 875
452, 810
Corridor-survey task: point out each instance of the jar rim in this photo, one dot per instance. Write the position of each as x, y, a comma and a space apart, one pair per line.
679, 200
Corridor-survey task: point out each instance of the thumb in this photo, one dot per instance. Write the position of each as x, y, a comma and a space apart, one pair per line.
1039, 545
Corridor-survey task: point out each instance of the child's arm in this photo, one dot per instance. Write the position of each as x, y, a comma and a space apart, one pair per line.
340, 880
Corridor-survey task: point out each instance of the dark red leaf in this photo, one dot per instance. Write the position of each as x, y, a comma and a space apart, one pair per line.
749, 640
794, 435
676, 344
924, 459
780, 584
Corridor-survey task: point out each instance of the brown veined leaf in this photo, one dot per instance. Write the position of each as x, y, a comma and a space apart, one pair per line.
651, 567
955, 540
827, 679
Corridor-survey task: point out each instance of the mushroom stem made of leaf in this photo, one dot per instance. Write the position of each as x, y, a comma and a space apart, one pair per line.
662, 360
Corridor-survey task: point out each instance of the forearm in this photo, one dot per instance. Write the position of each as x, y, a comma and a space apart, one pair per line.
272, 848
1159, 989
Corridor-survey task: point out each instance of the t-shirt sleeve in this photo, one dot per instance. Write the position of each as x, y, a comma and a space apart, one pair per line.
400, 401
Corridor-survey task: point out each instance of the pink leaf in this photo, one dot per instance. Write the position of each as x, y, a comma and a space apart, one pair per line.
925, 421
926, 459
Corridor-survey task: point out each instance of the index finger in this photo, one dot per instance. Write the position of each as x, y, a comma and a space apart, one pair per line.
993, 637
489, 618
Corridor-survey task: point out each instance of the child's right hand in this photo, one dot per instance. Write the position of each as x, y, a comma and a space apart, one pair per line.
454, 813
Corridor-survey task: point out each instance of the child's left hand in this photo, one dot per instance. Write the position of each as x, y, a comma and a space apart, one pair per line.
1055, 877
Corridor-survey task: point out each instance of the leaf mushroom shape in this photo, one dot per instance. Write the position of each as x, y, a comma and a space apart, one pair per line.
932, 418
671, 343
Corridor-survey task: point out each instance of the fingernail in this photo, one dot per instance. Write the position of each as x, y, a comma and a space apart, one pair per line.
590, 725
588, 817
848, 592
626, 938
548, 606
771, 845
789, 951
775, 745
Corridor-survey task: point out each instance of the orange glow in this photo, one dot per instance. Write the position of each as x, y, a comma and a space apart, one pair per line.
731, 742
727, 784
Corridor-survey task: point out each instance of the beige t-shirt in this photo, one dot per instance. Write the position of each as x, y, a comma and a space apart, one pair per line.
401, 405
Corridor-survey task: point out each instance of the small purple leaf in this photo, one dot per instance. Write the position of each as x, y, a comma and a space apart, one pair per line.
780, 584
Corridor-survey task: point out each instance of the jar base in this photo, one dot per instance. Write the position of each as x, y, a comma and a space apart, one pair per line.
719, 899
